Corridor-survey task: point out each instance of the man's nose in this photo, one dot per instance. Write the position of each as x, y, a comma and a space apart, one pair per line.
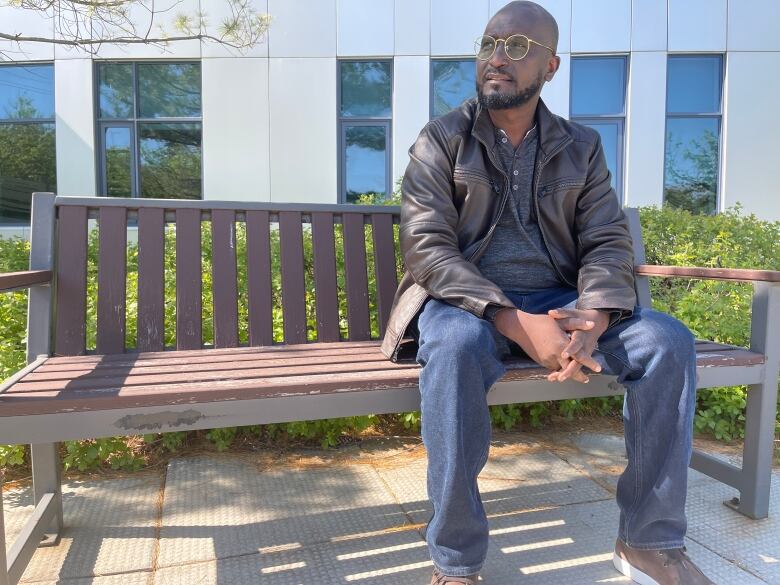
499, 57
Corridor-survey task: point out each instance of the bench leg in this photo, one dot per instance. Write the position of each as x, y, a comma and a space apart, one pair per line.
46, 480
3, 561
761, 410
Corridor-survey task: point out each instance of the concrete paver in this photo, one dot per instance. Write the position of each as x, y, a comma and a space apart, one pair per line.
360, 518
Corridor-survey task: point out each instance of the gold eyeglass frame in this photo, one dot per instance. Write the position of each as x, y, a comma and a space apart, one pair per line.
478, 44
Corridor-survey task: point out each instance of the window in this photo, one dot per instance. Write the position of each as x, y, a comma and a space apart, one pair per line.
452, 82
598, 100
150, 130
27, 149
693, 113
365, 117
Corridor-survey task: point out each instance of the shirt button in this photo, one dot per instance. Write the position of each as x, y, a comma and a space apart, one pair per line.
515, 173
503, 140
514, 187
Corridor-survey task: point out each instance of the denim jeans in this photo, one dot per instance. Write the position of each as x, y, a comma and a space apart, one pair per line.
653, 356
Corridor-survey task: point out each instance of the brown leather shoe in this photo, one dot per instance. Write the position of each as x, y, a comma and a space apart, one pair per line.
657, 567
439, 579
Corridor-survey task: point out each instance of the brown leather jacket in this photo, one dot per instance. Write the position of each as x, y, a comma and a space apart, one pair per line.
454, 191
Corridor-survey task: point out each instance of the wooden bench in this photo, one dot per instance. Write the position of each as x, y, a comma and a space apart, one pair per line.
69, 392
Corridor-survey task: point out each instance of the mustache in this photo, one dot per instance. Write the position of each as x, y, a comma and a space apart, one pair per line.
495, 71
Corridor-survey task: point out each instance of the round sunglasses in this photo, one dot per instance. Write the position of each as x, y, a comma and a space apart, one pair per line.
515, 46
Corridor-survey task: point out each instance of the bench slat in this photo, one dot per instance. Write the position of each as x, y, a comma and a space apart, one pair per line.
223, 265
112, 269
71, 330
325, 280
188, 279
293, 284
356, 277
384, 262
151, 279
258, 276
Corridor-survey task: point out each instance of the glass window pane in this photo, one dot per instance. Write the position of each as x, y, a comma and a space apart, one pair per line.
365, 161
598, 86
169, 90
366, 89
27, 164
694, 84
116, 90
691, 164
610, 132
26, 92
453, 82
119, 162
170, 160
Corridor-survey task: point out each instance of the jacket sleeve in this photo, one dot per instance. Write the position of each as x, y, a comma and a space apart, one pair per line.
428, 238
606, 256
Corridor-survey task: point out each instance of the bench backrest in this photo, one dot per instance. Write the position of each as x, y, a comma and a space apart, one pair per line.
277, 273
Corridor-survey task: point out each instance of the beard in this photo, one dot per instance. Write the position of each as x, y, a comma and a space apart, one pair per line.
507, 100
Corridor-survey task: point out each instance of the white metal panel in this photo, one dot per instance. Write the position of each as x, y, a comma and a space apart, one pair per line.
555, 93
600, 26
303, 130
697, 25
411, 107
236, 147
645, 129
412, 27
560, 11
365, 28
216, 11
455, 25
753, 25
19, 21
648, 26
75, 127
167, 12
751, 174
302, 28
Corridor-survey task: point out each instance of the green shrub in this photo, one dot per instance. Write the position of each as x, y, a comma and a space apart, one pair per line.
713, 310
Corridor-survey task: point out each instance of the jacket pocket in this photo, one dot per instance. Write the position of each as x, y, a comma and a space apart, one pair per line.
561, 184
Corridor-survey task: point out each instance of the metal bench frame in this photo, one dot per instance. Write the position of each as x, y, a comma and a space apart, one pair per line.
45, 431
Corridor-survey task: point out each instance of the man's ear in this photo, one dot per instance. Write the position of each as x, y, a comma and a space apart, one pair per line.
552, 67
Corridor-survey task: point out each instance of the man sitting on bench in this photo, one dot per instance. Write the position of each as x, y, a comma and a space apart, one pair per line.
514, 239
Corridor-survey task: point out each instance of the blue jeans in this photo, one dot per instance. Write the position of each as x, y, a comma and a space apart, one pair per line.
653, 356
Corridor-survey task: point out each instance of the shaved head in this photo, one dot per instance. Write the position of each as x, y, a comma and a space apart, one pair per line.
530, 19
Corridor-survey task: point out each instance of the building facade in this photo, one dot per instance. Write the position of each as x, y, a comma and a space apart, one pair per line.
325, 108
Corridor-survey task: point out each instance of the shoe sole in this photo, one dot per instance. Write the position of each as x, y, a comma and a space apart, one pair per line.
629, 570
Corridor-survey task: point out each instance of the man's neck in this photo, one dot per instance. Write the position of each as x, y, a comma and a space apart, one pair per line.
516, 122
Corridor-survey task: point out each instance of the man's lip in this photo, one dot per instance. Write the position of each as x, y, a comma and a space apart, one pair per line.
494, 77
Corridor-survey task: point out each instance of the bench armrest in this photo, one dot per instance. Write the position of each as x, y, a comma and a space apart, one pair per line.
733, 274
19, 280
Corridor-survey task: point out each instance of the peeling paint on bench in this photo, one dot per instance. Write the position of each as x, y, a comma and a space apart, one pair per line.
158, 420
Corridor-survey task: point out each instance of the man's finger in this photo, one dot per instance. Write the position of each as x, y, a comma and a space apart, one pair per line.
574, 323
574, 346
587, 360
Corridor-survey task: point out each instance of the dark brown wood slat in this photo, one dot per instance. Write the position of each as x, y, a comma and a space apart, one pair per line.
188, 280
737, 274
223, 230
258, 260
293, 283
384, 263
24, 279
130, 370
151, 279
112, 277
127, 380
325, 281
356, 277
71, 331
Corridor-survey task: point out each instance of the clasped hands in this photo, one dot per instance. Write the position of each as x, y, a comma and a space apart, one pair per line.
562, 341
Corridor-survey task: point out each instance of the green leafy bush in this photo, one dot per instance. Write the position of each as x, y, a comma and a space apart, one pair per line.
713, 310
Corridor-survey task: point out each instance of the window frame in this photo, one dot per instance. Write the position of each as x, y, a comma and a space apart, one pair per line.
26, 121
343, 122
431, 63
601, 118
719, 116
133, 123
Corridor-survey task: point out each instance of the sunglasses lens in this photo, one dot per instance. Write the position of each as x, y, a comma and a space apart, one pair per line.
517, 46
484, 47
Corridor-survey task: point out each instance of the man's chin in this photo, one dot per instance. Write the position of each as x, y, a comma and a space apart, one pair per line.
495, 100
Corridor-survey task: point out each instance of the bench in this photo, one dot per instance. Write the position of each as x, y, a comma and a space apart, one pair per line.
69, 391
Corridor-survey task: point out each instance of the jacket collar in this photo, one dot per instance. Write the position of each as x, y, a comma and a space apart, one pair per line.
552, 133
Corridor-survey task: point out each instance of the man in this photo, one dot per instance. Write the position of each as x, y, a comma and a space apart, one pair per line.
514, 239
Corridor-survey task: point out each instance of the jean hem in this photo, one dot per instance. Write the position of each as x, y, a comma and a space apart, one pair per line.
459, 572
660, 545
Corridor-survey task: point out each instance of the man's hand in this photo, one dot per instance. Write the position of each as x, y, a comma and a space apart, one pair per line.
583, 341
540, 337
